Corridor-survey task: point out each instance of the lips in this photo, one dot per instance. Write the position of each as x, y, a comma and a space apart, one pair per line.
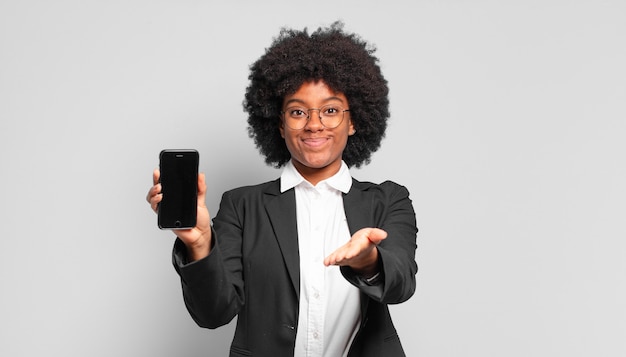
315, 142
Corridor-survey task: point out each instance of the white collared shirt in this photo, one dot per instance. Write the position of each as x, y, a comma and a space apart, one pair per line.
329, 314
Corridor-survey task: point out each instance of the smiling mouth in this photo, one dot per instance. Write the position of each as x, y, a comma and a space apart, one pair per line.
315, 141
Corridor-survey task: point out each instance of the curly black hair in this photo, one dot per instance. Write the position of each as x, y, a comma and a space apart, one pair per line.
344, 61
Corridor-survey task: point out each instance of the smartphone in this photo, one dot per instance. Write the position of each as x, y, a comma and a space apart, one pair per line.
179, 185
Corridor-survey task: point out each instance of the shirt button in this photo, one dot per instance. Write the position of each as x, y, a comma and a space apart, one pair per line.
316, 335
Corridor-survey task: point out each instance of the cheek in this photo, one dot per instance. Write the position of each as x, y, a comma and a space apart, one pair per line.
289, 140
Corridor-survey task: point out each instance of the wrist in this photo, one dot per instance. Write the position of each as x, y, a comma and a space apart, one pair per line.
199, 249
370, 266
368, 272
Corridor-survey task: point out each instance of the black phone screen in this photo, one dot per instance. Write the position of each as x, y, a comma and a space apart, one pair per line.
179, 185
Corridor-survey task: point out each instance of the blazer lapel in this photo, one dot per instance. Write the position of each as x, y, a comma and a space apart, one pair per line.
358, 212
281, 210
357, 208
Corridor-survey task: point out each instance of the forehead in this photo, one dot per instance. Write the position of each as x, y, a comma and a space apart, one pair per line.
314, 92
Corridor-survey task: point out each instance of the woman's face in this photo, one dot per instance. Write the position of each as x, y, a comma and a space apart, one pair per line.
316, 151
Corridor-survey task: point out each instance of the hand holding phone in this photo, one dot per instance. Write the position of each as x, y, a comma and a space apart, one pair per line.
179, 186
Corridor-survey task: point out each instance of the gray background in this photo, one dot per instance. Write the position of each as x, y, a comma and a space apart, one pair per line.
508, 125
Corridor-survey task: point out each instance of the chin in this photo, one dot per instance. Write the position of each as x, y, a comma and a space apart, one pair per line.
316, 163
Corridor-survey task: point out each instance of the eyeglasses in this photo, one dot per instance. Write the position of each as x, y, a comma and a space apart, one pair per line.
331, 116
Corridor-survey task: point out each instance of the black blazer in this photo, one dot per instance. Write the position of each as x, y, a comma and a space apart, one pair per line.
253, 269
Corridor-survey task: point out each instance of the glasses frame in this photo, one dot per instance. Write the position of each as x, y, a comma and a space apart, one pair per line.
308, 115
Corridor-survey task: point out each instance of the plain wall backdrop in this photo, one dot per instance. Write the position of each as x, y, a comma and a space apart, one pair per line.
508, 127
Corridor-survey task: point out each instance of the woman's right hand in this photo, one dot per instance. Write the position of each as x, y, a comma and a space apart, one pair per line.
197, 239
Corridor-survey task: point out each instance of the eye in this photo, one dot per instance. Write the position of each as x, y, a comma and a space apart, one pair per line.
331, 110
297, 112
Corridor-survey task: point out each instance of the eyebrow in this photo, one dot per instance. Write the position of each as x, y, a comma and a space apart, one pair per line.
300, 101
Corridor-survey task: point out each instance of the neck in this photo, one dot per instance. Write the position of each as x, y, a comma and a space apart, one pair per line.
314, 175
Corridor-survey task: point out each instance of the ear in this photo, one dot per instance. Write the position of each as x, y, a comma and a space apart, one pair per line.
281, 129
351, 129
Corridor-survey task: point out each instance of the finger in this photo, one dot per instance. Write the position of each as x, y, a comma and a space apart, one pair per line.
153, 191
156, 174
333, 257
155, 196
154, 202
342, 255
330, 260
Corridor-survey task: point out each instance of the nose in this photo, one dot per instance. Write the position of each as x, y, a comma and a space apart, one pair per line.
314, 122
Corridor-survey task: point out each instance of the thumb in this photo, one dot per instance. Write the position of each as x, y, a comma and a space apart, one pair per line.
376, 235
201, 189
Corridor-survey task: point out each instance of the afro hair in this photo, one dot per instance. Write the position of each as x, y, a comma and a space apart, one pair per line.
344, 61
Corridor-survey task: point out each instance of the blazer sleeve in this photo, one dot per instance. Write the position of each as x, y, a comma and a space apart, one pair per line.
213, 287
391, 210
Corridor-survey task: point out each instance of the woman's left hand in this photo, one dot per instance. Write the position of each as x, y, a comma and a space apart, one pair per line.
360, 253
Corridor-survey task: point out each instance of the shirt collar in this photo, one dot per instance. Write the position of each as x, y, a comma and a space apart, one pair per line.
291, 178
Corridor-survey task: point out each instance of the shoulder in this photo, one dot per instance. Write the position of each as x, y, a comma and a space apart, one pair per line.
381, 197
243, 192
386, 204
246, 198
386, 188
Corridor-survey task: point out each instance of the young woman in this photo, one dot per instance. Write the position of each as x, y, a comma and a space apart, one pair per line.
308, 262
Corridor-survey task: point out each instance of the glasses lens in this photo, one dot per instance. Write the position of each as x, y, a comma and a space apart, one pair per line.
296, 117
330, 116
